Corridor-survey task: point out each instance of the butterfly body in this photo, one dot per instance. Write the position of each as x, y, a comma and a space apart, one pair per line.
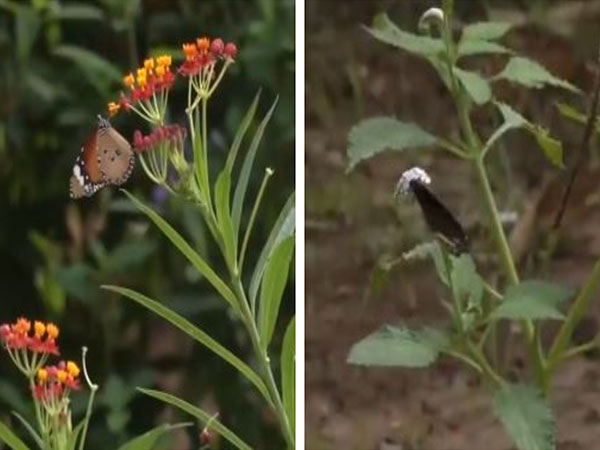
106, 158
439, 218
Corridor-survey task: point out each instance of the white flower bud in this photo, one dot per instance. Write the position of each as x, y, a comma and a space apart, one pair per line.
430, 16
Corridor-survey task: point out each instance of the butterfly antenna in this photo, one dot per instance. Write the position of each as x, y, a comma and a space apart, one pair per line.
583, 149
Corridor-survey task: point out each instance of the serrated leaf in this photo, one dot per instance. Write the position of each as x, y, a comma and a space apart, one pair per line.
552, 147
386, 31
288, 373
373, 136
148, 440
526, 416
487, 31
480, 47
398, 346
477, 86
531, 74
467, 283
532, 299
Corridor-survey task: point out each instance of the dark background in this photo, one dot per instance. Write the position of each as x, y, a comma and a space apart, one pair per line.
61, 62
351, 222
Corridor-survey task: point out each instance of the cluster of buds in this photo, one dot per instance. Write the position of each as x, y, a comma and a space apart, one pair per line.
54, 382
27, 345
164, 144
148, 89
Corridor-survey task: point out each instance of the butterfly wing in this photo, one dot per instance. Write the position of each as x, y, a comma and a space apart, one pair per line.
439, 219
115, 156
86, 178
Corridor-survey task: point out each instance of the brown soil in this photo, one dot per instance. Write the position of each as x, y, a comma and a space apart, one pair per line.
351, 222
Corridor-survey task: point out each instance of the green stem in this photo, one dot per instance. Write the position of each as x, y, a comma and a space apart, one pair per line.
574, 315
88, 413
264, 363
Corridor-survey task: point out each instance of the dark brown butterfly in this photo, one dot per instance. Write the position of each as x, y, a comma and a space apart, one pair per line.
439, 219
106, 158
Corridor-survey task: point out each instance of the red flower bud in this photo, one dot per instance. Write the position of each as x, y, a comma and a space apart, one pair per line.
217, 46
230, 50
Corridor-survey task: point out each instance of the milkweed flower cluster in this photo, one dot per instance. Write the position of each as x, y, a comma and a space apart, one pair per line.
29, 345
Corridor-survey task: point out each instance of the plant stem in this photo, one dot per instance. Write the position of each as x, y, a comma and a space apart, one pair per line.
264, 363
574, 315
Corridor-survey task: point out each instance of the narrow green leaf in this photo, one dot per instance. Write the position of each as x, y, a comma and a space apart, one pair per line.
531, 74
288, 372
99, 71
79, 11
222, 193
241, 132
194, 332
571, 113
148, 440
11, 439
73, 438
374, 135
477, 86
187, 251
398, 346
386, 31
242, 184
532, 299
480, 47
551, 147
526, 416
272, 287
207, 419
487, 31
28, 24
34, 434
283, 228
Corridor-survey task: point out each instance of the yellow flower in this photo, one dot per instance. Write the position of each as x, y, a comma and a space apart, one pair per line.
42, 375
141, 77
163, 61
113, 108
160, 71
149, 64
52, 330
73, 369
61, 375
39, 329
129, 80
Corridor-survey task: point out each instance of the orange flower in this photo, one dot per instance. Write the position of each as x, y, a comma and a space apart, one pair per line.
160, 72
129, 80
164, 61
73, 369
141, 77
52, 330
203, 44
61, 375
190, 51
39, 329
113, 108
149, 64
42, 375
22, 326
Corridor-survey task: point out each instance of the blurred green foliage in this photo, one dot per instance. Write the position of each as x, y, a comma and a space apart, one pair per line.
61, 63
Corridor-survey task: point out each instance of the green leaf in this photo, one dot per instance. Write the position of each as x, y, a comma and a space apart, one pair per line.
72, 443
467, 283
241, 132
571, 113
28, 23
531, 74
398, 346
288, 373
284, 227
273, 284
532, 299
11, 439
552, 148
100, 72
194, 332
526, 416
480, 47
242, 184
477, 86
373, 136
79, 11
222, 193
487, 31
386, 31
187, 251
148, 440
211, 422
36, 437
